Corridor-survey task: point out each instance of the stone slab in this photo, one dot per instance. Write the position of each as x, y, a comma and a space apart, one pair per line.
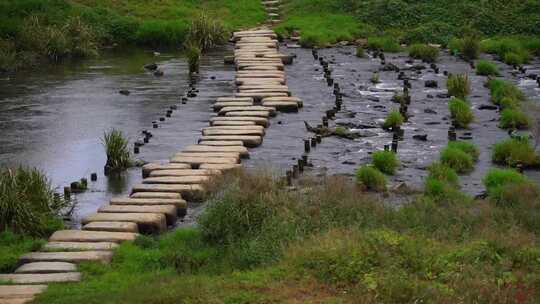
248, 109
17, 300
190, 192
79, 246
263, 114
206, 148
184, 172
263, 91
47, 267
259, 96
283, 106
209, 132
20, 291
233, 123
68, 256
23, 278
156, 195
263, 121
147, 222
248, 140
222, 143
259, 68
223, 167
234, 99
197, 160
180, 204
185, 180
112, 226
91, 236
218, 105
170, 211
235, 155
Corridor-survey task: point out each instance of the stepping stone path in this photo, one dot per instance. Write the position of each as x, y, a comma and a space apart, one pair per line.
163, 195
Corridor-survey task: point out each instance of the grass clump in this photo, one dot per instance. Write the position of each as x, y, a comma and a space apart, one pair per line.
461, 112
466, 147
13, 246
514, 151
443, 173
385, 44
457, 159
193, 54
27, 202
360, 52
206, 32
459, 85
509, 187
467, 47
117, 150
386, 161
513, 118
501, 89
442, 182
371, 178
486, 68
510, 50
424, 52
394, 119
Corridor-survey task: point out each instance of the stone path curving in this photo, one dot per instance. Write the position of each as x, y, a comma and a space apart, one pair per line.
156, 203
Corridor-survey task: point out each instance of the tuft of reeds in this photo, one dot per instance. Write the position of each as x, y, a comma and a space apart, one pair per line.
206, 32
193, 54
461, 112
486, 68
459, 85
393, 119
386, 161
117, 150
424, 52
371, 178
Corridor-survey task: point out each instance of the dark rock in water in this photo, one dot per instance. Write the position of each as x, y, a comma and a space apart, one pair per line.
409, 61
430, 111
467, 133
430, 96
532, 76
373, 98
158, 73
482, 195
350, 114
390, 67
443, 95
379, 107
192, 94
431, 84
465, 137
348, 162
213, 77
422, 137
430, 123
151, 66
487, 107
418, 67
124, 92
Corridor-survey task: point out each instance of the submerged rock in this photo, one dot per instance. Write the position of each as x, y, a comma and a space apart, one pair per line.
158, 73
487, 107
124, 92
151, 66
431, 84
422, 137
430, 111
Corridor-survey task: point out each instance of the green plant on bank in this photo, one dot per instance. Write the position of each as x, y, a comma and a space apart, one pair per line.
509, 187
424, 52
486, 68
501, 89
360, 52
513, 118
206, 32
385, 44
514, 151
193, 54
459, 85
467, 47
443, 173
461, 112
386, 161
371, 178
467, 147
27, 202
458, 158
13, 246
510, 50
117, 150
393, 119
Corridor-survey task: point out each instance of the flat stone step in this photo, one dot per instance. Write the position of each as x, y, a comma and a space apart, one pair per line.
223, 143
184, 172
209, 132
258, 120
244, 66
261, 95
180, 204
170, 211
262, 91
20, 291
79, 246
250, 109
233, 123
156, 195
91, 236
253, 127
146, 169
22, 278
244, 82
235, 147
218, 105
263, 114
112, 226
234, 155
283, 106
147, 222
47, 267
248, 140
185, 180
68, 256
234, 99
223, 167
260, 74
197, 160
258, 68
190, 192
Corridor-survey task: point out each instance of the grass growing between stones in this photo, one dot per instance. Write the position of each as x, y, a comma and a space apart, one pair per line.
460, 156
424, 52
514, 151
117, 150
461, 112
393, 119
370, 178
486, 68
459, 85
386, 161
13, 246
329, 243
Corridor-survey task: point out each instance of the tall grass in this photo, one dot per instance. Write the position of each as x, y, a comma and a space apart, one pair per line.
459, 85
393, 119
385, 44
117, 150
460, 112
509, 187
193, 54
27, 202
424, 52
487, 68
386, 161
514, 151
206, 32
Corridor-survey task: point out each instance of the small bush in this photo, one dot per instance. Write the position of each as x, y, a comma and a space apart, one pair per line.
8, 56
371, 178
424, 52
386, 161
499, 181
455, 46
360, 52
443, 173
466, 147
512, 118
470, 47
385, 44
514, 151
508, 103
461, 112
459, 85
457, 159
394, 119
116, 148
486, 68
27, 202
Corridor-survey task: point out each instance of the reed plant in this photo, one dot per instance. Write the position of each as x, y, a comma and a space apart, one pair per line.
193, 54
116, 148
206, 32
459, 85
461, 112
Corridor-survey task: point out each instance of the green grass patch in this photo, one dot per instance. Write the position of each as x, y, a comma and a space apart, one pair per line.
457, 159
459, 85
513, 118
117, 150
424, 52
386, 161
384, 43
371, 178
501, 89
514, 151
487, 68
13, 246
509, 49
509, 187
461, 112
394, 119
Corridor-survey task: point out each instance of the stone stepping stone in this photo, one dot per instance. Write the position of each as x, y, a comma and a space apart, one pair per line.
190, 192
234, 99
170, 211
184, 172
242, 61
235, 155
47, 267
180, 204
277, 66
256, 83
177, 180
155, 195
247, 44
258, 120
91, 236
218, 105
263, 91
223, 167
209, 132
259, 74
195, 161
14, 292
146, 169
68, 256
233, 123
259, 96
79, 246
263, 114
147, 222
23, 278
264, 86
112, 226
259, 68
17, 301
253, 127
222, 143
207, 146
248, 140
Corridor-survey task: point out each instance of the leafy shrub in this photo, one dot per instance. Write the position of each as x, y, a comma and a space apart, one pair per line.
498, 182
27, 202
486, 68
455, 46
458, 85
386, 161
424, 52
457, 159
513, 118
116, 148
508, 103
466, 147
206, 32
461, 112
514, 151
371, 178
394, 119
385, 44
